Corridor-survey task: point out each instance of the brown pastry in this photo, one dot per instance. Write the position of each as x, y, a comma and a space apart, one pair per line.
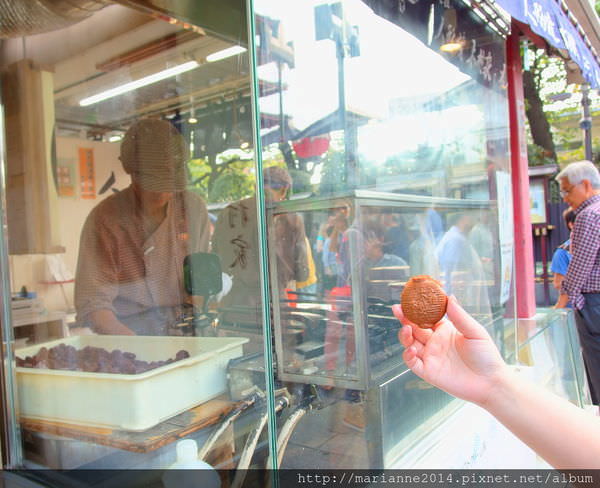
423, 301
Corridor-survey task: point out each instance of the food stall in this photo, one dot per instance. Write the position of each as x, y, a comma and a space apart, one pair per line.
392, 125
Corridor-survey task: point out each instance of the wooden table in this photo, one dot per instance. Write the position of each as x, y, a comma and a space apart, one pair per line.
163, 434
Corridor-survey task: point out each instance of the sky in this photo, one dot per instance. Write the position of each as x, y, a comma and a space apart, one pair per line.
392, 64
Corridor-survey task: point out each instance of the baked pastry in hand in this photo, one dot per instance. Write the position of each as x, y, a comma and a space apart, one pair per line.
423, 301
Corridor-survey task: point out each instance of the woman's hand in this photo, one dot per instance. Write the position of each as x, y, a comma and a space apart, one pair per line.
457, 355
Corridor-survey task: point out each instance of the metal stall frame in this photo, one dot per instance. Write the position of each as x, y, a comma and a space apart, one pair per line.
10, 434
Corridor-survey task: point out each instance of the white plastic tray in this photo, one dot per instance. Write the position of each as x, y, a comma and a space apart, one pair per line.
127, 402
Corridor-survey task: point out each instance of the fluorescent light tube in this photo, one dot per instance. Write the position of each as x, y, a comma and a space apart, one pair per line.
225, 53
134, 85
451, 47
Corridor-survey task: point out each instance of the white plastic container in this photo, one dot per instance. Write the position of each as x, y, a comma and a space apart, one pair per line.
127, 402
188, 470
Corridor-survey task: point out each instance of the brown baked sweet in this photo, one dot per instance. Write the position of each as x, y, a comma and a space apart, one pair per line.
92, 360
423, 301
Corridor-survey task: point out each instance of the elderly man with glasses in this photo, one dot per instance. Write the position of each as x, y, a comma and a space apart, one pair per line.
580, 189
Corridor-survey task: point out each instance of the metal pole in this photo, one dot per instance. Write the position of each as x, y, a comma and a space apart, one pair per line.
345, 122
342, 103
282, 137
586, 122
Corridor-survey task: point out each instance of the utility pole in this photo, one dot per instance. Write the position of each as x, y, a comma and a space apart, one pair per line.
330, 23
586, 121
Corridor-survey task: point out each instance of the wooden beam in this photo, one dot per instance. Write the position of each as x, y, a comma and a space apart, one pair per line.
31, 196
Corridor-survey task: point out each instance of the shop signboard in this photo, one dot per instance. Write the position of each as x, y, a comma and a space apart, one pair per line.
505, 233
547, 19
537, 202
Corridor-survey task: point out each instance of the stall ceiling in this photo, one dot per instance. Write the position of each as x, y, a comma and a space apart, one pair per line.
117, 45
26, 17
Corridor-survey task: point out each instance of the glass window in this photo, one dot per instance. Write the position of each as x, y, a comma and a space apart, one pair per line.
128, 135
391, 120
143, 231
551, 345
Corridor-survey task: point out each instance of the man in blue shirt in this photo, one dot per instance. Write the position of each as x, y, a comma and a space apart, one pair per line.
561, 260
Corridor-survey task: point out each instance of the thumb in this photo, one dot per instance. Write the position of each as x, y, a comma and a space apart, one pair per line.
464, 323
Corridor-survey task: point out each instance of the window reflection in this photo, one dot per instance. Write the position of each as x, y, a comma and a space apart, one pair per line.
139, 135
395, 114
385, 156
236, 241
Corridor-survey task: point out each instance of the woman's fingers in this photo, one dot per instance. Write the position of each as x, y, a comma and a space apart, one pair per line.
405, 336
397, 310
407, 339
413, 361
421, 335
464, 323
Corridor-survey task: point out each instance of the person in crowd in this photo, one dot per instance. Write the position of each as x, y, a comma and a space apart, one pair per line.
422, 258
321, 236
368, 236
458, 356
435, 224
329, 260
339, 322
482, 240
212, 220
341, 223
396, 235
129, 277
381, 268
557, 339
338, 248
309, 285
580, 189
318, 246
462, 271
561, 259
454, 250
375, 245
235, 240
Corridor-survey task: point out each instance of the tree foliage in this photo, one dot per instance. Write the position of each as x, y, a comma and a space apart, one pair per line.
543, 77
226, 180
559, 105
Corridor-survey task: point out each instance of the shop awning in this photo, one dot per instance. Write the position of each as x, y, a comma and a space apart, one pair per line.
547, 19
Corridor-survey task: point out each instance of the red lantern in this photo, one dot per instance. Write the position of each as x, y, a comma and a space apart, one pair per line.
310, 147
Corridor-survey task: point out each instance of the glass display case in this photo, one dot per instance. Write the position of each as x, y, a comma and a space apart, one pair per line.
391, 118
343, 333
549, 346
341, 336
121, 147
